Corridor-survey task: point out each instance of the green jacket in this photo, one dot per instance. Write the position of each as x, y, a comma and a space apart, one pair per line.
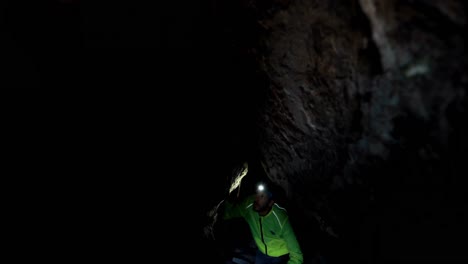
272, 233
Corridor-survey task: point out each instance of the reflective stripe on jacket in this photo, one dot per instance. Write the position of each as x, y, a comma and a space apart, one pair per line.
273, 233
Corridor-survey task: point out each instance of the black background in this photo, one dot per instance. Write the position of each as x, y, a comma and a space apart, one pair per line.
124, 112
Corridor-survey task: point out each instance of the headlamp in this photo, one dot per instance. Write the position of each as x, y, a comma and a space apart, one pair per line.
260, 187
264, 189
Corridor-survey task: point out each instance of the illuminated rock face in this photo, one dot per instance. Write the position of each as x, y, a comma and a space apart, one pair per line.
362, 118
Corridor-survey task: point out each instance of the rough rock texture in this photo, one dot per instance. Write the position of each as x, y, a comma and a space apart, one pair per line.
362, 122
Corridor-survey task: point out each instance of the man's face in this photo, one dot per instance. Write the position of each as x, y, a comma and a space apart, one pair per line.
262, 202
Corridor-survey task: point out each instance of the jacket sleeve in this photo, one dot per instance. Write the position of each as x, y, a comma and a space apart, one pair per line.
295, 252
238, 209
231, 210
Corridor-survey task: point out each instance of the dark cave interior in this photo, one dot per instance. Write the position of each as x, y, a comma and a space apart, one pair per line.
149, 107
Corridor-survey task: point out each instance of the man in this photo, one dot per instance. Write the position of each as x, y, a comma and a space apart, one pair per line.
270, 227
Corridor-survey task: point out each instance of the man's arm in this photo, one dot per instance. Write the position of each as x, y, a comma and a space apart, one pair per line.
237, 207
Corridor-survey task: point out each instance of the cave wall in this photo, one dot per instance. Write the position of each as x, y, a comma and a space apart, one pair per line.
362, 122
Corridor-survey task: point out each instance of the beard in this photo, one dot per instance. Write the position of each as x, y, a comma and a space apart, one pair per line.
259, 207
